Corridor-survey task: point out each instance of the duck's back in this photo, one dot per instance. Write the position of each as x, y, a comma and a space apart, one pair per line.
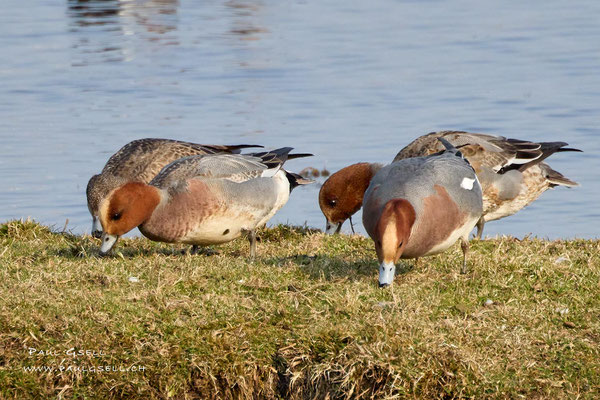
415, 179
142, 159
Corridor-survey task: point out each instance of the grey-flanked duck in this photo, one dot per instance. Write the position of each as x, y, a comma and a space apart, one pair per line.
140, 161
202, 199
420, 206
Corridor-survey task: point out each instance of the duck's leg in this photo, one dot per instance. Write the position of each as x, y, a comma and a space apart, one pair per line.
464, 245
202, 250
479, 226
252, 240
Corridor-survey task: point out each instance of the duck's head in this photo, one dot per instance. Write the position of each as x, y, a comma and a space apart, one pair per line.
342, 193
125, 208
391, 235
98, 188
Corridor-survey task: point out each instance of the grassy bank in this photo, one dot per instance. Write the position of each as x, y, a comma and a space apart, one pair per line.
304, 320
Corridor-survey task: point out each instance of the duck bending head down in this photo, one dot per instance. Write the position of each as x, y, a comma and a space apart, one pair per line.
421, 206
202, 200
140, 161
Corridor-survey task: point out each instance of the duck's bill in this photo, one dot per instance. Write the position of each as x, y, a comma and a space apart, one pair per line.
96, 228
333, 227
108, 242
387, 271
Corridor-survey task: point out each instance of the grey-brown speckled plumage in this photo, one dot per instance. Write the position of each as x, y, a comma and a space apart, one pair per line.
140, 161
511, 171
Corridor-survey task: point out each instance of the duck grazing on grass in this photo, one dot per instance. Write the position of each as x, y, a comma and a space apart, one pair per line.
511, 171
341, 196
202, 200
421, 206
140, 161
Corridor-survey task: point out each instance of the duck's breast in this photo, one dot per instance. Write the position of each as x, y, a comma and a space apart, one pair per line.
449, 211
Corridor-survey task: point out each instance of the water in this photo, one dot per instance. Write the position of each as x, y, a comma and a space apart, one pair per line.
347, 82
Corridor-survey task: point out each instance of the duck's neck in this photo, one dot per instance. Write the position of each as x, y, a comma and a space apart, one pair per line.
362, 174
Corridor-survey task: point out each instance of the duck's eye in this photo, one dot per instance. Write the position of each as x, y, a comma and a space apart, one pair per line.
332, 202
116, 216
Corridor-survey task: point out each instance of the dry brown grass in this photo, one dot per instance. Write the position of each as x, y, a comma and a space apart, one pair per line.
305, 320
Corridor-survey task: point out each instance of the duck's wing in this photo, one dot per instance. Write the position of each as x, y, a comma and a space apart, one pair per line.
232, 167
482, 150
546, 149
278, 156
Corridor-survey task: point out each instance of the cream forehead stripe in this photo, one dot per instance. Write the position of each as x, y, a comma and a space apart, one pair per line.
467, 183
103, 209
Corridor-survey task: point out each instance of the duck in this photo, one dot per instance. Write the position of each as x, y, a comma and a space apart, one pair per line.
421, 206
202, 199
139, 161
512, 173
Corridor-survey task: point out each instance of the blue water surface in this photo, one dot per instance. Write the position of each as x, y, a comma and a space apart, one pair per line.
347, 81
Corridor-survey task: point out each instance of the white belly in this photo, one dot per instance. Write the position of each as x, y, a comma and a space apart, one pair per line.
221, 229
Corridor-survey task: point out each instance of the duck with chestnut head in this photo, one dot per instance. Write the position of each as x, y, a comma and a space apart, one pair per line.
421, 206
202, 199
140, 161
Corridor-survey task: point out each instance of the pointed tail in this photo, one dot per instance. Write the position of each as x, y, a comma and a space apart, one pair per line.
237, 148
556, 178
297, 180
547, 149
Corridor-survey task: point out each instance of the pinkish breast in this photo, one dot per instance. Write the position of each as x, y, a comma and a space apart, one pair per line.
183, 212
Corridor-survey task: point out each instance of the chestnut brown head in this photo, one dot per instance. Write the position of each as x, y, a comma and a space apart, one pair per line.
341, 195
125, 208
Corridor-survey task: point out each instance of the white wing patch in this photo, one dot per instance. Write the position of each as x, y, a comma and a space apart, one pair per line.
269, 173
467, 183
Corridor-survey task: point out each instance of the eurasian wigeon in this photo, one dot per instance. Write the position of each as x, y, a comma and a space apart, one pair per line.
202, 199
421, 206
140, 161
511, 173
341, 195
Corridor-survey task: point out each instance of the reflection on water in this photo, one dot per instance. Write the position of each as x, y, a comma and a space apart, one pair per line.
244, 19
125, 22
93, 12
